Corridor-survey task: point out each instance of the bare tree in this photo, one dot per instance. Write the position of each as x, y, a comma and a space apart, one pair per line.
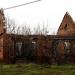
45, 30
10, 25
26, 30
12, 28
39, 31
18, 30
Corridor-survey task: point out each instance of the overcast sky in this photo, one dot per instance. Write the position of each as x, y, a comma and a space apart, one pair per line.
48, 12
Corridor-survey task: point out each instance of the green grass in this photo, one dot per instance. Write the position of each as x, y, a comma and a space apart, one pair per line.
36, 69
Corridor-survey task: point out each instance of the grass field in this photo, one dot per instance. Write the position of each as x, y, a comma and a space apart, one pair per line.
35, 69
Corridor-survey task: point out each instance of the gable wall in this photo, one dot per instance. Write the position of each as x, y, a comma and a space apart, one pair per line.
67, 26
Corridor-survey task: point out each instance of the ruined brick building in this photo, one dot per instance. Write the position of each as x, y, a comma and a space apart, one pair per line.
58, 48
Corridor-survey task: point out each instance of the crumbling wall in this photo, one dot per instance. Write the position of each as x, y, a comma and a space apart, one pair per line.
44, 45
8, 49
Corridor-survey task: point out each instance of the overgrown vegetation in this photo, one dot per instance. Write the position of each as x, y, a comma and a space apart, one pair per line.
36, 69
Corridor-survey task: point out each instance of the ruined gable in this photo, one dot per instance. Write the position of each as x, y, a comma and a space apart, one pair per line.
67, 26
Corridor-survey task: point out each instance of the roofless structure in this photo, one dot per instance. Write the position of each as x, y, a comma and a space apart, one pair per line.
58, 48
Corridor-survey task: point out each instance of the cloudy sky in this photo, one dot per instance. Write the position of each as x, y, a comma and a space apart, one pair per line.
47, 12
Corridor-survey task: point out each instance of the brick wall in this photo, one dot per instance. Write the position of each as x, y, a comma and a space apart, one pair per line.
67, 26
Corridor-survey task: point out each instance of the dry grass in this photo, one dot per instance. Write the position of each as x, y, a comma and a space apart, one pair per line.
35, 69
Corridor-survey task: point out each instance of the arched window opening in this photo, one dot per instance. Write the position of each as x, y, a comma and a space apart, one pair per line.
67, 46
18, 47
65, 26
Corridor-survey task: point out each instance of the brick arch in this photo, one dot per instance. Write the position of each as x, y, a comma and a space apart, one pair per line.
59, 51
